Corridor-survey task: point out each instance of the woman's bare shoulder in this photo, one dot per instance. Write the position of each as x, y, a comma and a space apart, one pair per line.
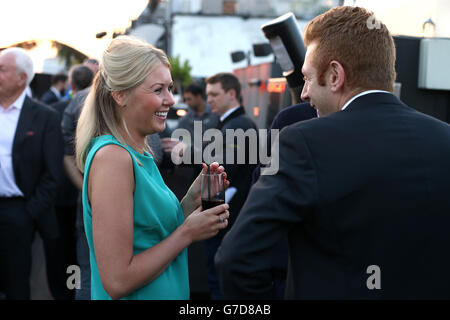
113, 153
112, 161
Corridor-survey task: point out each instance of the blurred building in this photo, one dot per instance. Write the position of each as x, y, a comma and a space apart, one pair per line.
206, 32
301, 8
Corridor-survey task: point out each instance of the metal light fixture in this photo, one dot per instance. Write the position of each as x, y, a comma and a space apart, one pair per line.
101, 34
238, 56
259, 50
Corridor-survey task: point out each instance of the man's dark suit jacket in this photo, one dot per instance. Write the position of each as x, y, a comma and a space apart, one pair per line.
37, 162
287, 116
239, 175
365, 186
49, 97
67, 193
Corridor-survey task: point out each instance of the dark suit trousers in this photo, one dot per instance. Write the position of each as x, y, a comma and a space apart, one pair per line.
16, 237
61, 253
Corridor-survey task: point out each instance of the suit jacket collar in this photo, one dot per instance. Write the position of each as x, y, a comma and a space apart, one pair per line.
236, 113
371, 99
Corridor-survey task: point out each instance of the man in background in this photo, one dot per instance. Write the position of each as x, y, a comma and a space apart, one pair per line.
59, 83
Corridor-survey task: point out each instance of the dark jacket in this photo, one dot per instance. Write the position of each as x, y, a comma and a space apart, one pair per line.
37, 162
239, 175
287, 116
361, 188
49, 97
67, 192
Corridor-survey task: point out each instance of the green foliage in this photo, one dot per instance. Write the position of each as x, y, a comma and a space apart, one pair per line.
181, 72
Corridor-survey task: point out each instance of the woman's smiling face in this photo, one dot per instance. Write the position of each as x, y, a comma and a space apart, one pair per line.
148, 104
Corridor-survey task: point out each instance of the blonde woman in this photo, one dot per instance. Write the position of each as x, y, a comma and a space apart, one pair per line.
136, 229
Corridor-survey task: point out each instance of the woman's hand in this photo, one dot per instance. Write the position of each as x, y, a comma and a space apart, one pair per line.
192, 199
202, 225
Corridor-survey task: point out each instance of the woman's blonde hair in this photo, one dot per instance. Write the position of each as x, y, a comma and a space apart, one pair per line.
125, 64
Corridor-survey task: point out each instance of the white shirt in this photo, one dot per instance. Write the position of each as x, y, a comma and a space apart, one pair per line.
56, 92
360, 95
8, 124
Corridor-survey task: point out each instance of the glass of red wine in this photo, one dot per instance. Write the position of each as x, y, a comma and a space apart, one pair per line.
213, 191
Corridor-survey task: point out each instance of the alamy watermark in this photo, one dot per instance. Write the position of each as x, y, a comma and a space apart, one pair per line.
235, 147
374, 280
74, 279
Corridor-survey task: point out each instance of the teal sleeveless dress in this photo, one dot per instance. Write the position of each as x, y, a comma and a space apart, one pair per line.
156, 214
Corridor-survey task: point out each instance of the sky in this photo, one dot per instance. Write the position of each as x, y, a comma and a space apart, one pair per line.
72, 22
76, 22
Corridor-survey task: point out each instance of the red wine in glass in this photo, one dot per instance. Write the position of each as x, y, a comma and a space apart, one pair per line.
208, 204
213, 193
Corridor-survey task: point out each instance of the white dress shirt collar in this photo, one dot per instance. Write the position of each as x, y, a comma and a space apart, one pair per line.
226, 114
56, 92
360, 95
19, 101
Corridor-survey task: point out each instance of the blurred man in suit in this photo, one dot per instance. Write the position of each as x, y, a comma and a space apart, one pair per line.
223, 92
31, 160
361, 192
59, 84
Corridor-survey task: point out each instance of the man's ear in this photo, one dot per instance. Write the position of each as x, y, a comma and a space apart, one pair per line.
22, 79
232, 93
337, 76
120, 97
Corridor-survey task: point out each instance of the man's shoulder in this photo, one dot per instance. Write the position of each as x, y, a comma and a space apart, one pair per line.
292, 114
60, 106
77, 101
49, 97
40, 112
38, 106
80, 96
298, 111
242, 121
368, 111
48, 93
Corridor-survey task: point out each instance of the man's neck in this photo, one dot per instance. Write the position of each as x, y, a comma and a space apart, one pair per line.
6, 102
349, 95
356, 93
